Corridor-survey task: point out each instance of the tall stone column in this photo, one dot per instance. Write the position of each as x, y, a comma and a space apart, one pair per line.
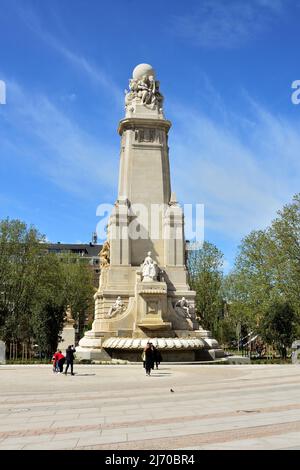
143, 290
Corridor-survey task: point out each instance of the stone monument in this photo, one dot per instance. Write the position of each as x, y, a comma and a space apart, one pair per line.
2, 352
143, 289
296, 352
68, 332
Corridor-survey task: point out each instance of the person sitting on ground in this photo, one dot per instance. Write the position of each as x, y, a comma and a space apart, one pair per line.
55, 361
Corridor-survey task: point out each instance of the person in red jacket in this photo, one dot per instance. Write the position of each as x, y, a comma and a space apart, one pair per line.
55, 361
58, 361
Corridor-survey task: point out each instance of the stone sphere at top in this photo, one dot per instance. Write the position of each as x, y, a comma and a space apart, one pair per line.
143, 69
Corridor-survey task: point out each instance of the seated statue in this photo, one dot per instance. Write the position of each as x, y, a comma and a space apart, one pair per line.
117, 307
183, 309
183, 305
149, 268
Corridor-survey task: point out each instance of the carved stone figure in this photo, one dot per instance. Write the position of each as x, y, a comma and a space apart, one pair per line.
149, 268
145, 90
183, 306
68, 317
133, 85
158, 95
117, 307
104, 255
183, 309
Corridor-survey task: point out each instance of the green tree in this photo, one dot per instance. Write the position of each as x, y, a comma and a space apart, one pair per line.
238, 314
285, 233
20, 251
36, 287
205, 276
49, 304
253, 280
78, 288
279, 326
267, 271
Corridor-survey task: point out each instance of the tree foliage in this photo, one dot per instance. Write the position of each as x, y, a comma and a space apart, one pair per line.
36, 287
205, 276
279, 326
265, 282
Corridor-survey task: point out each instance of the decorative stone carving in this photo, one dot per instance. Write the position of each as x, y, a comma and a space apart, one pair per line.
149, 269
144, 90
105, 255
182, 307
160, 343
117, 307
68, 319
146, 135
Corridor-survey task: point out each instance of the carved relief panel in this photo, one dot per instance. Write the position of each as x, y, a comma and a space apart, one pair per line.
149, 135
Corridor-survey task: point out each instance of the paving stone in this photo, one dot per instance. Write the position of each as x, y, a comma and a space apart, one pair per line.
212, 407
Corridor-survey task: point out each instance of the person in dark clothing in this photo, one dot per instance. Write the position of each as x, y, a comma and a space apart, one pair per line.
70, 358
157, 357
148, 359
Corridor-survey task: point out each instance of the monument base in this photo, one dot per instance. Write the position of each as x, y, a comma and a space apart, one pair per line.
93, 346
90, 347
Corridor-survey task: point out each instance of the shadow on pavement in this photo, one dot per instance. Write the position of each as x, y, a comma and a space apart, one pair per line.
159, 374
83, 375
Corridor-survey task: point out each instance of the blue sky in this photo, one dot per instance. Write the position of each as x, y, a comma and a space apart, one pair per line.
226, 69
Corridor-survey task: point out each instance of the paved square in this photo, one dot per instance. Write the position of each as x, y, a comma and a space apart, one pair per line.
118, 407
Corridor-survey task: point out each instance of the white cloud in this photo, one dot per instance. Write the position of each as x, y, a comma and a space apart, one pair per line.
241, 181
227, 24
84, 65
57, 146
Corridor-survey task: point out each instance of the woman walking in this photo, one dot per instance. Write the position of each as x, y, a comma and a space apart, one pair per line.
148, 358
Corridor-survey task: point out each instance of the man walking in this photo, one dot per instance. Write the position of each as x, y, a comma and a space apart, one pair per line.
70, 358
156, 356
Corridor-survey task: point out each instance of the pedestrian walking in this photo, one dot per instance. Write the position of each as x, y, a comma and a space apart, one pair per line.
156, 356
70, 358
148, 358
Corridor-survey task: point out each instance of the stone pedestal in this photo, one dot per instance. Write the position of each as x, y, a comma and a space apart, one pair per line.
2, 352
146, 219
67, 337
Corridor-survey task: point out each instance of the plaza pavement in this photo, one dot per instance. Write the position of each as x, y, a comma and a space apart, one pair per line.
119, 407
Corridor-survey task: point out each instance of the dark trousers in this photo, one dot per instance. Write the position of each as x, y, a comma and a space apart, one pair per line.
69, 363
61, 364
